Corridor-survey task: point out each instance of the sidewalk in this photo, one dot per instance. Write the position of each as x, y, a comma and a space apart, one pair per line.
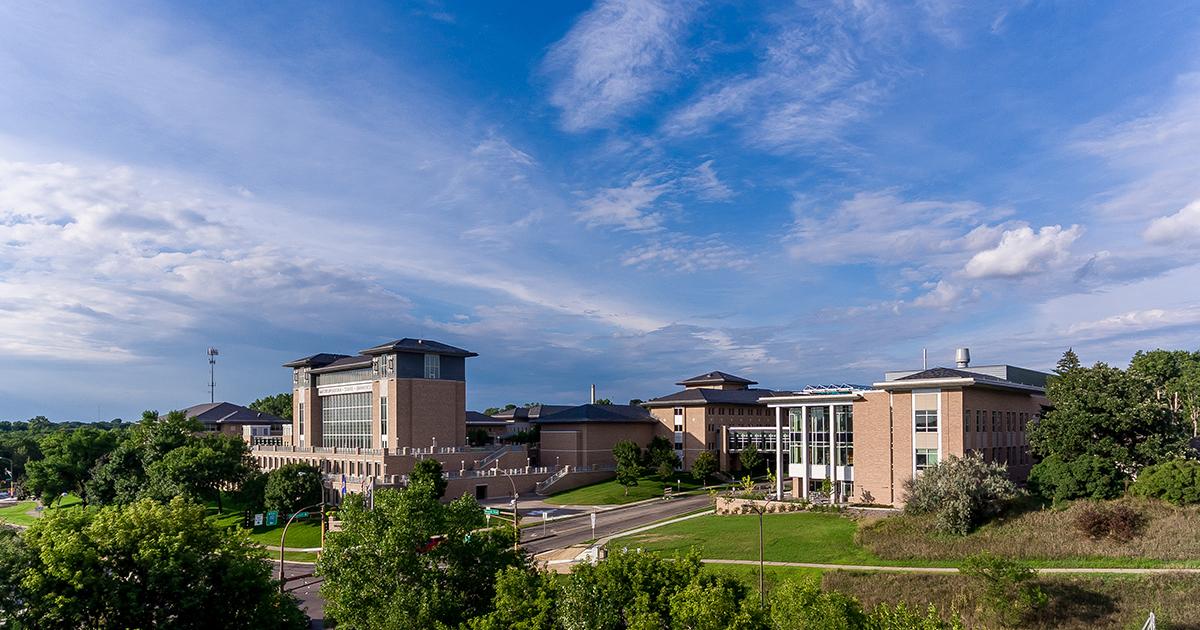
868, 567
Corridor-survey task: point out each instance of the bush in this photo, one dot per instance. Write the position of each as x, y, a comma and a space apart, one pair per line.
1007, 590
1079, 478
1119, 522
962, 493
1176, 482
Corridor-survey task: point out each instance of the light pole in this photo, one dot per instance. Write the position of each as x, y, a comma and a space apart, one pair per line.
516, 511
283, 537
11, 471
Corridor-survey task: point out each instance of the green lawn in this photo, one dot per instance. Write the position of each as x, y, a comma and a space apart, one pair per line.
302, 533
16, 514
818, 538
612, 493
794, 537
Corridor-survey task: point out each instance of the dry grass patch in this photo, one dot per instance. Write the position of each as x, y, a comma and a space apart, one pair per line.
1170, 534
1076, 602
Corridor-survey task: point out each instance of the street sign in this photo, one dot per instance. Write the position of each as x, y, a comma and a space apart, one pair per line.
593, 525
301, 514
272, 519
491, 511
258, 519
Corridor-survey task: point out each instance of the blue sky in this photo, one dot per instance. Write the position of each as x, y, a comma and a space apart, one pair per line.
615, 193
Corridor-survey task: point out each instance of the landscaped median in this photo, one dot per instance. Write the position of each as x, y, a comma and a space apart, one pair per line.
612, 493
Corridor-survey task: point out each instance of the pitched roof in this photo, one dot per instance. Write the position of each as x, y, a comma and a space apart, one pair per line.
345, 363
476, 418
937, 373
316, 360
531, 412
598, 413
716, 378
229, 413
712, 396
422, 346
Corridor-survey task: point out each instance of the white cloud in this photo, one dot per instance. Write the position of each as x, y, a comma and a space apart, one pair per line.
943, 295
615, 56
98, 264
1151, 155
822, 68
1134, 322
1023, 251
882, 227
685, 253
704, 181
627, 207
1181, 227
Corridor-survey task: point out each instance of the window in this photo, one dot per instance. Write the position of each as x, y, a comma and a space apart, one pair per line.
843, 417
302, 419
433, 366
925, 412
383, 416
795, 420
926, 457
346, 420
818, 436
741, 411
927, 421
967, 421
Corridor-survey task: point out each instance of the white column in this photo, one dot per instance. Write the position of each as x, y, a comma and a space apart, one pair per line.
804, 450
832, 454
778, 453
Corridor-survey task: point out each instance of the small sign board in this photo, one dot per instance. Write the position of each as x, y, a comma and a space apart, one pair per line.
301, 514
491, 511
258, 519
593, 521
335, 525
272, 519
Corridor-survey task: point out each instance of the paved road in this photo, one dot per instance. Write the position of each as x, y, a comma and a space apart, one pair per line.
579, 530
305, 589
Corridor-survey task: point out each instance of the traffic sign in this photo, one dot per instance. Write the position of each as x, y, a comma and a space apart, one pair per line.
272, 519
491, 511
258, 519
301, 514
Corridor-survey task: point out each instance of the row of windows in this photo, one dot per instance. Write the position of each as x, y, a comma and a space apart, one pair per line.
1011, 455
729, 411
997, 421
346, 420
357, 468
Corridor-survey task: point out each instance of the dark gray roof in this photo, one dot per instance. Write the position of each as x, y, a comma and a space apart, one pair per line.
422, 346
985, 380
476, 418
598, 413
716, 378
229, 413
712, 396
316, 360
941, 372
530, 413
345, 363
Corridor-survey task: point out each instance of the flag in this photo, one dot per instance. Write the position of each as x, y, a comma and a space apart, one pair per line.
343, 484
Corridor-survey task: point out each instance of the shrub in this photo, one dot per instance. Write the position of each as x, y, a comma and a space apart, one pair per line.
1119, 522
1176, 482
1082, 477
1007, 590
962, 493
884, 617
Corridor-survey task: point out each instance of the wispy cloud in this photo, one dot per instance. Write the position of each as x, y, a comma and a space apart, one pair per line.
703, 179
684, 253
614, 58
627, 207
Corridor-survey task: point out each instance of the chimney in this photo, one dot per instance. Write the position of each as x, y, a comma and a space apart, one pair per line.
962, 358
593, 393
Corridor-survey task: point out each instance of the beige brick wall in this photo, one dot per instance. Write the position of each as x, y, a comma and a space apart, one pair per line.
589, 443
872, 449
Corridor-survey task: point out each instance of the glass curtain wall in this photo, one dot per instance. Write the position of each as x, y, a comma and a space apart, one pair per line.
818, 436
346, 420
844, 423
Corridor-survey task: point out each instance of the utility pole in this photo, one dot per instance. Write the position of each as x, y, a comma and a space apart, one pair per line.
212, 375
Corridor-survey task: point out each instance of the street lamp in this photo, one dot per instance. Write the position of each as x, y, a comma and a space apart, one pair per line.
283, 538
516, 511
11, 471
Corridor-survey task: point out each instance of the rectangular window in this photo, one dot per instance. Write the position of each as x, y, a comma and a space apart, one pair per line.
302, 419
346, 420
926, 457
383, 416
967, 421
925, 412
433, 366
818, 436
843, 417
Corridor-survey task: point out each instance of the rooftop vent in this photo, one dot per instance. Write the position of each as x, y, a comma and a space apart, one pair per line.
962, 358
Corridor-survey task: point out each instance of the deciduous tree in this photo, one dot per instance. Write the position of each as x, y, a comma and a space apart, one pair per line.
279, 405
292, 487
68, 458
628, 456
144, 565
704, 465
